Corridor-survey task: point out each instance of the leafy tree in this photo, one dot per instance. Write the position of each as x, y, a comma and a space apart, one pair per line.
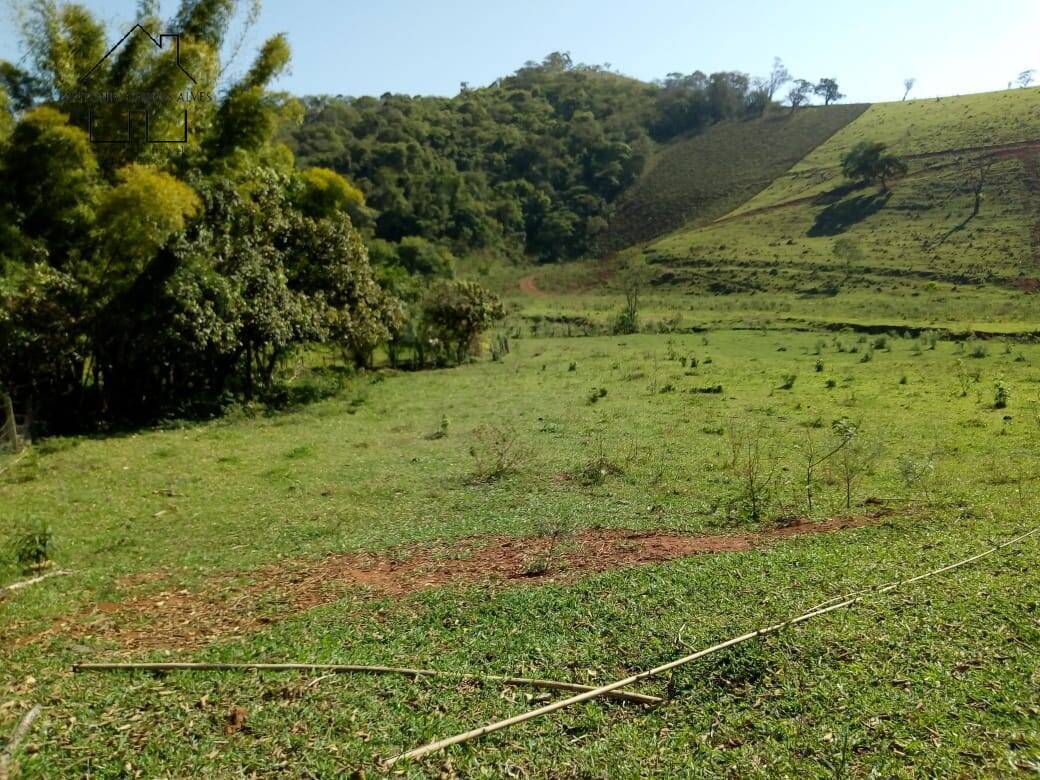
869, 162
50, 180
799, 93
322, 193
147, 280
454, 314
828, 90
908, 84
135, 219
1025, 78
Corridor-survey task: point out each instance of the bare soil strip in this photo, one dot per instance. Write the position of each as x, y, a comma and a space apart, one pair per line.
182, 619
529, 285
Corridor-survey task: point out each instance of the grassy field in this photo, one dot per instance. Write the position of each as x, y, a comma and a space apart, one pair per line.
696, 179
538, 515
634, 432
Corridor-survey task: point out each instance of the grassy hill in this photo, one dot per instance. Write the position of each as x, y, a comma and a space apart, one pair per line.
699, 178
918, 255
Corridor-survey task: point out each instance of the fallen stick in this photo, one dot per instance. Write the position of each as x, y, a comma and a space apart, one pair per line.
20, 732
11, 463
4, 589
637, 698
440, 744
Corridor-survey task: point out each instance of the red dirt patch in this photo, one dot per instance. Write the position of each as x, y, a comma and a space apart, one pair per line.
227, 607
529, 285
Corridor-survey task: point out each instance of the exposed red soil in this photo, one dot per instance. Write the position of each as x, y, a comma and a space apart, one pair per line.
226, 607
529, 285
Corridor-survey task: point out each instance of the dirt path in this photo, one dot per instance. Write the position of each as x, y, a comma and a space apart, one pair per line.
238, 604
529, 285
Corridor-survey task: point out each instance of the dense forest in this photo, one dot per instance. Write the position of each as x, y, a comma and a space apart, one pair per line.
528, 165
141, 280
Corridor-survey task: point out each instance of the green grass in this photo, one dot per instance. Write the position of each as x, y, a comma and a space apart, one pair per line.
948, 127
923, 258
937, 680
696, 179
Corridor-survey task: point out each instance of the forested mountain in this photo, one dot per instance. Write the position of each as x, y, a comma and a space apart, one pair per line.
530, 164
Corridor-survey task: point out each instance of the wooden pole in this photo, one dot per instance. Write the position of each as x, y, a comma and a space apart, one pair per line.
637, 698
440, 744
26, 583
20, 731
10, 426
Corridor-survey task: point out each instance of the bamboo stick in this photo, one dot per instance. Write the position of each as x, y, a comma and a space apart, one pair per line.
20, 732
614, 686
637, 698
26, 583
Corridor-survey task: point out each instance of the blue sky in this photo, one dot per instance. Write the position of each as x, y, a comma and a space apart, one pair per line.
431, 46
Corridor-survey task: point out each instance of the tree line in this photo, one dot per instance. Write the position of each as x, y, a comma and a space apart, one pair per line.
530, 165
139, 280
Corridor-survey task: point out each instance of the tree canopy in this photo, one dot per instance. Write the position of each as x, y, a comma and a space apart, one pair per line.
139, 279
869, 162
528, 165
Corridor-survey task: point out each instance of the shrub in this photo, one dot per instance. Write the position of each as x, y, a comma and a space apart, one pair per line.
454, 314
496, 451
597, 470
1003, 395
787, 381
32, 550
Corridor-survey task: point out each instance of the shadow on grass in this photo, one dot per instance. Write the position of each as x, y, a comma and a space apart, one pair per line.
837, 193
840, 216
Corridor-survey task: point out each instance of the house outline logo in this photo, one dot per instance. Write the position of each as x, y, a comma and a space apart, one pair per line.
140, 113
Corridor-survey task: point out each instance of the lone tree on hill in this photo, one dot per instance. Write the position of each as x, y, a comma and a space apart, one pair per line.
909, 85
1025, 78
869, 162
828, 90
799, 93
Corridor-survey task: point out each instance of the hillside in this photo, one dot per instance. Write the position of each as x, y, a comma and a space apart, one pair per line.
916, 253
699, 178
529, 166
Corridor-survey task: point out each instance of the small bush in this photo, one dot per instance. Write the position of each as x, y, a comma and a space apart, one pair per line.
819, 366
1003, 395
32, 550
496, 451
979, 349
597, 471
595, 394
787, 381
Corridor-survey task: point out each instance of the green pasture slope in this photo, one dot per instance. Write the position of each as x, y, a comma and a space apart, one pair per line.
699, 178
921, 254
938, 679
